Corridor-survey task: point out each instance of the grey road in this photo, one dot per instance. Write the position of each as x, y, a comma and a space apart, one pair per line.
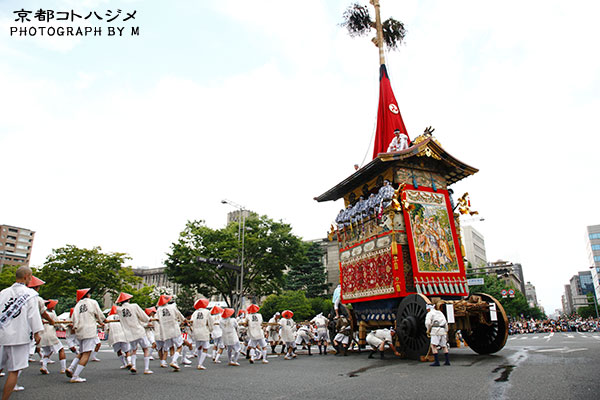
544, 366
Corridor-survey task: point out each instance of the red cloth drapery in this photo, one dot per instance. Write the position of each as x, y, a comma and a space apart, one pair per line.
388, 116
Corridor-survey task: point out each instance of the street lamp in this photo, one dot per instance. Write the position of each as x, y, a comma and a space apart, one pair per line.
241, 236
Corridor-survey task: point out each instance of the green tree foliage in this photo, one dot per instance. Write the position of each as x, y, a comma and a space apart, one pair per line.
320, 305
310, 276
270, 248
295, 301
514, 306
7, 276
70, 268
589, 310
185, 300
143, 296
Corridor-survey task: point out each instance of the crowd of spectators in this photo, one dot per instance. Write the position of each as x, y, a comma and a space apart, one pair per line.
563, 324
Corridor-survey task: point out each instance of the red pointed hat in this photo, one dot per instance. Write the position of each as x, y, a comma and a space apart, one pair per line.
216, 310
124, 296
150, 310
81, 293
51, 304
253, 308
164, 299
201, 303
35, 282
71, 312
113, 310
228, 312
287, 314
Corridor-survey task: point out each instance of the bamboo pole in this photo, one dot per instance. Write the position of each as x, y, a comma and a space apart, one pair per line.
378, 40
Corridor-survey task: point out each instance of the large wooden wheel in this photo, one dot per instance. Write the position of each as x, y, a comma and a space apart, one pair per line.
410, 325
488, 339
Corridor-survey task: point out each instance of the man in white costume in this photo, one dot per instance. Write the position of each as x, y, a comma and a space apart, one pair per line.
170, 319
437, 329
378, 338
49, 341
134, 321
19, 317
273, 332
255, 334
202, 326
86, 315
288, 333
217, 333
231, 339
304, 336
116, 336
399, 142
322, 333
150, 312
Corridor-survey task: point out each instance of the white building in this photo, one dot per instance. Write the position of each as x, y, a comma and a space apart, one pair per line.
474, 246
531, 295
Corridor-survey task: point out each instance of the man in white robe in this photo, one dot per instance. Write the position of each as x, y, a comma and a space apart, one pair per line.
19, 318
86, 316
202, 326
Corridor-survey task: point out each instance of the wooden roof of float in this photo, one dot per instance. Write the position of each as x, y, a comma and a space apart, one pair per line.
423, 146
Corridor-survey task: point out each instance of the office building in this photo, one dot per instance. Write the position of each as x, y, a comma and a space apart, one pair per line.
15, 245
474, 246
593, 253
531, 295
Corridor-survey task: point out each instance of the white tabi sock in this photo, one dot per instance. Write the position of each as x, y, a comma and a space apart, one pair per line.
252, 354
175, 357
217, 357
128, 360
63, 364
123, 360
74, 363
201, 358
214, 353
78, 370
44, 363
93, 354
229, 354
264, 355
146, 363
236, 355
133, 360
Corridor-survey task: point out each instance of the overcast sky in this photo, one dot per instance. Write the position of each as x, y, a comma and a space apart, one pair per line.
118, 141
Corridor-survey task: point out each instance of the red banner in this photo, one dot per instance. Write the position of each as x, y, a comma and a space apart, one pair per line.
388, 116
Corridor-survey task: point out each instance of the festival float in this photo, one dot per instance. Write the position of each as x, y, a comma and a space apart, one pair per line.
399, 231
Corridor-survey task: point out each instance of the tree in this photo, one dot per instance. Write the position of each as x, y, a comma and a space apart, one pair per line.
7, 276
309, 276
269, 248
70, 268
185, 300
295, 301
589, 310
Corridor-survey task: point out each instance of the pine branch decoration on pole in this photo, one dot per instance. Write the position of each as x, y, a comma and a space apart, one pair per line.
359, 23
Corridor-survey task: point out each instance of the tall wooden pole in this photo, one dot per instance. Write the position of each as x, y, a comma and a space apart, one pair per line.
378, 40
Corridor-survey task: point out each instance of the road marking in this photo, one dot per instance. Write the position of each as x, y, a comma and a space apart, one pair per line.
574, 350
549, 336
570, 336
550, 350
535, 337
524, 338
559, 349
